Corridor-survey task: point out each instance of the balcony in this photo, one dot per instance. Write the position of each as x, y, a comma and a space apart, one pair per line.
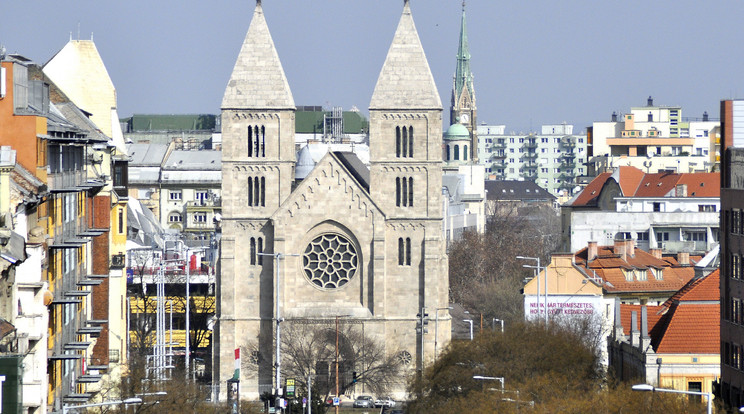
567, 185
567, 155
201, 204
67, 181
567, 165
568, 143
498, 165
498, 155
498, 145
529, 166
529, 175
529, 156
530, 145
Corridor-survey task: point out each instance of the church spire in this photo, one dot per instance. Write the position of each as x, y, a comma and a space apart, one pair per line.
258, 79
463, 75
405, 81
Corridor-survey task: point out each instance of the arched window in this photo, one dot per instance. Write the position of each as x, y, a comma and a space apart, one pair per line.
250, 191
263, 191
410, 192
410, 142
263, 141
250, 141
457, 152
465, 153
404, 251
259, 250
397, 191
404, 191
253, 251
397, 142
405, 142
448, 153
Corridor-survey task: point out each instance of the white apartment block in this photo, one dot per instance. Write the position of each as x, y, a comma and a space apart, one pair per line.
655, 138
553, 159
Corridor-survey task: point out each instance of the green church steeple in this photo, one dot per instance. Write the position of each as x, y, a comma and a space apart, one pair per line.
463, 75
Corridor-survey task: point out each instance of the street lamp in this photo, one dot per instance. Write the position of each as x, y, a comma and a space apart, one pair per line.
646, 387
66, 408
470, 321
537, 259
501, 321
483, 378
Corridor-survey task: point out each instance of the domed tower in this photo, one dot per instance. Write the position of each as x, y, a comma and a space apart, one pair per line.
457, 146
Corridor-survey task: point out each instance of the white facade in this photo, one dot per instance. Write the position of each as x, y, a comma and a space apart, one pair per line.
673, 224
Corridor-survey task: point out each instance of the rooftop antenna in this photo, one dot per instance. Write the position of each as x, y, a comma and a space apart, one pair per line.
78, 37
91, 36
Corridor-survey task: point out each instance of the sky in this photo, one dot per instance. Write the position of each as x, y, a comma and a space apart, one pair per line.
535, 62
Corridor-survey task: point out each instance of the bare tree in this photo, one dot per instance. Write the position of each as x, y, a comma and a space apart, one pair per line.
309, 348
485, 275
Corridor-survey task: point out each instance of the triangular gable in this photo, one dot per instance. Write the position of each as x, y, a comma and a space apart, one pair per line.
329, 170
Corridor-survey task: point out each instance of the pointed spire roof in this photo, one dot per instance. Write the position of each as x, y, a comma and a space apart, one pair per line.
405, 80
258, 80
463, 75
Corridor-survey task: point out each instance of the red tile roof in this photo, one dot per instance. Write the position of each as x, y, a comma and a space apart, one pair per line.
691, 324
635, 183
590, 194
653, 314
610, 267
630, 179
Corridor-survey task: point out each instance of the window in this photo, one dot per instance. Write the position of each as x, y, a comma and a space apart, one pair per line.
404, 191
511, 140
257, 191
404, 251
656, 207
175, 218
735, 266
465, 153
544, 140
404, 142
256, 250
641, 275
121, 221
735, 311
643, 236
662, 236
448, 153
174, 195
457, 152
330, 261
200, 217
735, 221
256, 141
201, 196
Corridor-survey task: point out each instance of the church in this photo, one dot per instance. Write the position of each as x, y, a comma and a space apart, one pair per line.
346, 239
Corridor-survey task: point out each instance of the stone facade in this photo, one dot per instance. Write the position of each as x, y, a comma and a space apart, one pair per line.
365, 215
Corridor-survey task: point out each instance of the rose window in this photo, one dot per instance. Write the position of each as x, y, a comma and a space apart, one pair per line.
329, 261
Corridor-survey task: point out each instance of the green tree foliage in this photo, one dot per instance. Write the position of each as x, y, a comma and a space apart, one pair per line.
546, 370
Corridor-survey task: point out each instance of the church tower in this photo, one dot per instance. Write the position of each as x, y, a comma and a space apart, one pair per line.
463, 110
406, 175
258, 160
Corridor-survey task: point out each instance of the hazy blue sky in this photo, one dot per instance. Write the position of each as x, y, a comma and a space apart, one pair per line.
535, 62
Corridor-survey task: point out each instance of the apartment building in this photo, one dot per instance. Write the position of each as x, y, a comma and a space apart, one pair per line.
553, 159
655, 138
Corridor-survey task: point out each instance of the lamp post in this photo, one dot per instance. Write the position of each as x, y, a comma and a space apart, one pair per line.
537, 259
310, 393
66, 408
277, 258
646, 387
483, 378
337, 396
470, 321
501, 321
436, 329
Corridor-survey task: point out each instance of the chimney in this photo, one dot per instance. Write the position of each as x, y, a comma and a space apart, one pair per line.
591, 251
683, 258
614, 116
630, 247
650, 101
655, 253
620, 249
645, 339
635, 336
618, 320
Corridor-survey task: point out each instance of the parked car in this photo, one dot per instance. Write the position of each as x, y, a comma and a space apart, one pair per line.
364, 401
386, 402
